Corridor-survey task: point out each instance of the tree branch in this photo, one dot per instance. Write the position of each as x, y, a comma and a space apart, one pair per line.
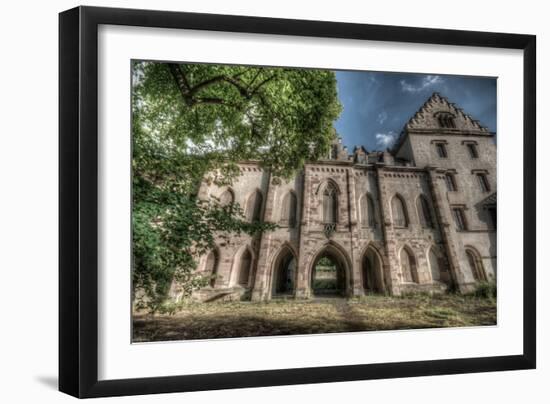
179, 76
262, 83
216, 101
206, 83
181, 82
189, 93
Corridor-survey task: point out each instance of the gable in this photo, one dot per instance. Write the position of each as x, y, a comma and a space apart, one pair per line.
438, 113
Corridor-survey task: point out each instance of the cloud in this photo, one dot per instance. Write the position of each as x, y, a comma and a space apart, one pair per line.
382, 116
426, 82
385, 140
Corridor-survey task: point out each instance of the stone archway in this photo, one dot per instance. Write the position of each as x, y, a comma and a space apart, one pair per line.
372, 272
330, 273
283, 278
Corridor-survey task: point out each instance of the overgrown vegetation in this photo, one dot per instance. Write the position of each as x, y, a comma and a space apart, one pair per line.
290, 317
193, 123
486, 290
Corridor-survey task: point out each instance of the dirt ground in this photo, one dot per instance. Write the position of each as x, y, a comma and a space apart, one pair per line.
327, 315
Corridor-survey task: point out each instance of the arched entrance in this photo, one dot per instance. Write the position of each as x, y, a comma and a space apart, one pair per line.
329, 275
373, 276
284, 274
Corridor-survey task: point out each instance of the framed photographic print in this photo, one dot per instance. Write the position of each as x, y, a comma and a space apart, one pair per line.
250, 201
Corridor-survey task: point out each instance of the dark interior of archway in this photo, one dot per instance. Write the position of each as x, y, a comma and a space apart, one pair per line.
328, 277
284, 275
373, 281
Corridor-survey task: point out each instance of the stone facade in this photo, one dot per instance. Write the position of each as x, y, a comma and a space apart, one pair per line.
419, 217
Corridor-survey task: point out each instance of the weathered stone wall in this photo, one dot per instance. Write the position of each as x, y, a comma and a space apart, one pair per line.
438, 252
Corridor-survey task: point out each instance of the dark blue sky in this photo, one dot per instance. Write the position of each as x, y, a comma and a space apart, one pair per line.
377, 105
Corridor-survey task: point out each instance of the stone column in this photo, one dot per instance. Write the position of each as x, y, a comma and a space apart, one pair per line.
356, 287
391, 274
444, 218
260, 290
302, 277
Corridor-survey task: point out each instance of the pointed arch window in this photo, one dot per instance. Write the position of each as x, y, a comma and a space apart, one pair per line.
399, 212
288, 213
446, 120
227, 198
211, 266
330, 204
424, 212
476, 266
408, 266
244, 268
254, 207
368, 218
435, 267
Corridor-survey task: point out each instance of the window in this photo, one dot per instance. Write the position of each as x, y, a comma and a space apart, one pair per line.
254, 206
472, 148
446, 120
460, 220
227, 198
244, 270
211, 266
288, 214
408, 266
435, 267
399, 212
451, 182
441, 150
476, 266
330, 204
424, 212
483, 182
367, 211
370, 212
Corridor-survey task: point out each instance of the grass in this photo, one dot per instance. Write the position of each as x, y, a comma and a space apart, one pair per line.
290, 317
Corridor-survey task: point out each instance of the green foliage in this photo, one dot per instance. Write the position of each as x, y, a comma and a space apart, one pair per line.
325, 284
194, 123
325, 264
486, 290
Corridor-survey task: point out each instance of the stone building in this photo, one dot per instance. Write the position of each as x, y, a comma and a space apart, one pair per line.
418, 217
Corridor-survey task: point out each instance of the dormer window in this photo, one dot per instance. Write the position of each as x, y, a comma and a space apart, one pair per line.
446, 120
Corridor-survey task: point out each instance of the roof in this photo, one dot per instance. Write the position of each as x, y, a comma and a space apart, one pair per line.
490, 200
427, 118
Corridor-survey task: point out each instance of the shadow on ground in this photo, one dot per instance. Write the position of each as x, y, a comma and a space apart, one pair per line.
289, 317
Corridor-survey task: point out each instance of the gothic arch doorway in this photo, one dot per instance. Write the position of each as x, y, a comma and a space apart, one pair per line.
283, 278
373, 275
329, 274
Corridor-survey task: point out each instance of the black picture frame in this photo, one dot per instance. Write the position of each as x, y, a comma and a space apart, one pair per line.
78, 201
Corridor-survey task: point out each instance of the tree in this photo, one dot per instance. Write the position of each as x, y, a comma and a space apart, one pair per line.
194, 123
